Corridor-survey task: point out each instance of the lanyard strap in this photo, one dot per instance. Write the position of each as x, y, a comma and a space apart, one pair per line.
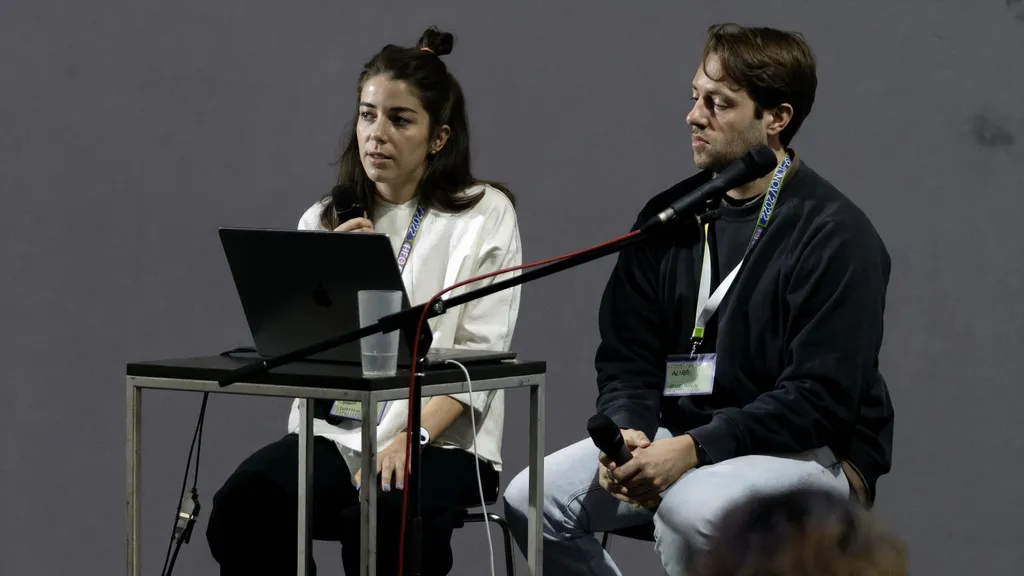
708, 303
410, 237
342, 409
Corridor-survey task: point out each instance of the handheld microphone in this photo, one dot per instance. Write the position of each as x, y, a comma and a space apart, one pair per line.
347, 203
608, 438
757, 162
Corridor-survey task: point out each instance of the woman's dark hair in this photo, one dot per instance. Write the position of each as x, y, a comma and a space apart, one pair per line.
802, 532
448, 172
775, 67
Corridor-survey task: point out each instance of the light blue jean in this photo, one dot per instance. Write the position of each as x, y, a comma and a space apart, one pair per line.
576, 507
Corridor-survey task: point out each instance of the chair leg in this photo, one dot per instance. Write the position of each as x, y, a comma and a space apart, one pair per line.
510, 564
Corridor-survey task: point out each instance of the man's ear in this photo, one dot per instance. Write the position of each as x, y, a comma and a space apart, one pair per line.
778, 118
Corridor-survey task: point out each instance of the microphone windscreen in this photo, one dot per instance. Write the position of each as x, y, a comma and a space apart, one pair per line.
760, 160
602, 431
345, 195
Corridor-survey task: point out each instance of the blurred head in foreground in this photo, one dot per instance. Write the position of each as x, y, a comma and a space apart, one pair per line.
801, 533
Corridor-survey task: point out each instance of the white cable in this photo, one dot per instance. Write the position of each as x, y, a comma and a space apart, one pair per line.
479, 481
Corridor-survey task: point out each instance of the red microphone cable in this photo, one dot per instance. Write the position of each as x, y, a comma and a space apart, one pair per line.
414, 364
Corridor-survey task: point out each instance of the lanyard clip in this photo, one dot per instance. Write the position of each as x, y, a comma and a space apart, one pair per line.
696, 344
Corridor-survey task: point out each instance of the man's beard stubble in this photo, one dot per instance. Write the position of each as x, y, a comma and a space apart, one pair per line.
723, 154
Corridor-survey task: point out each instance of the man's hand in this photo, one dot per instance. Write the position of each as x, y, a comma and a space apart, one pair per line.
620, 492
390, 465
653, 469
634, 440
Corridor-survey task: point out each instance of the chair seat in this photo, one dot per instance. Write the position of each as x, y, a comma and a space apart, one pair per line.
467, 510
643, 532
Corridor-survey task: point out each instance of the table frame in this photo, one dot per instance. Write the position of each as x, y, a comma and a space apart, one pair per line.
367, 498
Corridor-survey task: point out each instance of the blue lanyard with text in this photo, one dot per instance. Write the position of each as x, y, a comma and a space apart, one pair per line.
410, 237
708, 304
352, 409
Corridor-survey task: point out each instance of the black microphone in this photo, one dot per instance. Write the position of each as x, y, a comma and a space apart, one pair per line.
348, 204
607, 436
757, 162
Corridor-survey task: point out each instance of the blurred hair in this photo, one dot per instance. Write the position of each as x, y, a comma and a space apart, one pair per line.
801, 532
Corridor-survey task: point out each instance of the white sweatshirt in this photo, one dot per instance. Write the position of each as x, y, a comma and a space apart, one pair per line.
449, 248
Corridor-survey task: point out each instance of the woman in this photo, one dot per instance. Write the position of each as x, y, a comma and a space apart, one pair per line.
408, 155
802, 532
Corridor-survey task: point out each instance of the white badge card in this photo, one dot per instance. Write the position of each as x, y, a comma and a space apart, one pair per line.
690, 375
353, 410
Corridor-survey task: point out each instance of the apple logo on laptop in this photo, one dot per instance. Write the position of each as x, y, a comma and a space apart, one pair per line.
321, 297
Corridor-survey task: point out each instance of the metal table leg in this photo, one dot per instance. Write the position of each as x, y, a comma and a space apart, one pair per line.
368, 489
535, 540
133, 474
305, 550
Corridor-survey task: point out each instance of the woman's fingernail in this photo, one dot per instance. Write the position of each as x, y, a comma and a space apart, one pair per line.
357, 485
398, 486
387, 487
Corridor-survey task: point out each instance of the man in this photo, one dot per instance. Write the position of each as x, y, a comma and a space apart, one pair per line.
730, 384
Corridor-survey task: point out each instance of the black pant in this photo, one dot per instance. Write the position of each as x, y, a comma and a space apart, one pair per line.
253, 525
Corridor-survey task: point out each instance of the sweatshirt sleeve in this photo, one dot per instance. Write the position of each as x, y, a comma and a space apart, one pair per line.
630, 359
836, 300
310, 219
489, 323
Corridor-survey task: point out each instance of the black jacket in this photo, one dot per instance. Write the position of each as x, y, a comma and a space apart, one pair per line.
797, 337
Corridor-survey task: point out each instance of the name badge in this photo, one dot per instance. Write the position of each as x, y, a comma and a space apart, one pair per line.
353, 410
690, 375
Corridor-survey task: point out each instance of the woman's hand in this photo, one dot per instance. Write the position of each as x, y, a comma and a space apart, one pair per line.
438, 414
391, 465
355, 225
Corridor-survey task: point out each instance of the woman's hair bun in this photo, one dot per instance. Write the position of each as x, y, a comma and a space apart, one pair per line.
436, 41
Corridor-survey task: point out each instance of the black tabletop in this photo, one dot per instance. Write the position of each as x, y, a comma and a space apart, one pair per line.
325, 374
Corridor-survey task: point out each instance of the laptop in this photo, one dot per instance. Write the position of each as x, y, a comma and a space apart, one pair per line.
299, 287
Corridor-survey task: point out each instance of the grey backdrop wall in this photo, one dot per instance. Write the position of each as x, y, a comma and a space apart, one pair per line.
130, 130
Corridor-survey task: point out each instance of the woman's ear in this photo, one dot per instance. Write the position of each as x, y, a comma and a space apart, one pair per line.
440, 138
